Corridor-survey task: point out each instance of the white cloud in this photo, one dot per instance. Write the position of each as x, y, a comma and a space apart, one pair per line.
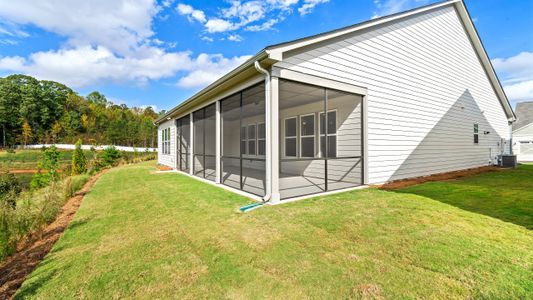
219, 25
246, 13
87, 65
265, 26
388, 7
119, 25
250, 15
309, 5
107, 41
235, 38
209, 68
191, 13
516, 73
207, 39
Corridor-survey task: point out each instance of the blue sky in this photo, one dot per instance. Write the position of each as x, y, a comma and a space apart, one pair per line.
147, 52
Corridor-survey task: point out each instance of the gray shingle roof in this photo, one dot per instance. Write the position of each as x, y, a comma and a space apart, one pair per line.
524, 114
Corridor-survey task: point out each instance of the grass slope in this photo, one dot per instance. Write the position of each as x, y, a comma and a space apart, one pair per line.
142, 235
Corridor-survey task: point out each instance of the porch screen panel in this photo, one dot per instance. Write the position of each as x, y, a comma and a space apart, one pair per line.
204, 142
230, 112
183, 143
198, 140
343, 133
253, 163
320, 133
301, 168
210, 142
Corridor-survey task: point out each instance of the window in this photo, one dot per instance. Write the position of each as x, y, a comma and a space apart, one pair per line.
307, 135
243, 140
332, 134
476, 133
251, 139
165, 141
261, 144
290, 137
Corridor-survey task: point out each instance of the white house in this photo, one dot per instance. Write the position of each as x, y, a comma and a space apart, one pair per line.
406, 95
523, 132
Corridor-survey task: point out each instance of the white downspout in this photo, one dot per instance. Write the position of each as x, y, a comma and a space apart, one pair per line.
268, 129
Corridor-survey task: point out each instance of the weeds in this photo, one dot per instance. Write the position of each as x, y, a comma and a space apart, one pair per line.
34, 211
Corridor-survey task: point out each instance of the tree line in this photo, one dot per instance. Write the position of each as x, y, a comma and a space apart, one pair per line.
42, 111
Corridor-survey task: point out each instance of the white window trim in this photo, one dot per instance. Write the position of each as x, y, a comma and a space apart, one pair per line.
257, 139
476, 132
326, 130
296, 137
244, 139
248, 139
300, 136
165, 141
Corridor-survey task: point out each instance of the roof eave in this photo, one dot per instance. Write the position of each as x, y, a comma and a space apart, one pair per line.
261, 55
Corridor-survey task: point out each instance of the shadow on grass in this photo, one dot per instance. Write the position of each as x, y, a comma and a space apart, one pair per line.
506, 195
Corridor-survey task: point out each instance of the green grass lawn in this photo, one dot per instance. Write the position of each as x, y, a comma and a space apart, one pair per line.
142, 235
504, 195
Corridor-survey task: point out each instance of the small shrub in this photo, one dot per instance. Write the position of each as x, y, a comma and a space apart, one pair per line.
109, 157
9, 189
79, 161
49, 163
40, 180
10, 150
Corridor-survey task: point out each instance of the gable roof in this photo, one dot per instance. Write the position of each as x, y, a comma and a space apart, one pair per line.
274, 53
524, 115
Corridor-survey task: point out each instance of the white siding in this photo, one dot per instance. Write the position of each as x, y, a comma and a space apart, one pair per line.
426, 89
165, 159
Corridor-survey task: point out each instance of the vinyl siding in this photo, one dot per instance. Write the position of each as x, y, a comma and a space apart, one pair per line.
426, 89
167, 159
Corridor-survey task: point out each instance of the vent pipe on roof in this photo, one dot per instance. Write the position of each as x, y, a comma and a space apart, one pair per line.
268, 129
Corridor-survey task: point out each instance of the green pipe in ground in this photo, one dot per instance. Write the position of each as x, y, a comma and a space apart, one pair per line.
250, 207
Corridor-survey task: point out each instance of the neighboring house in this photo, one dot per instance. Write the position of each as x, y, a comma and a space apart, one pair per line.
523, 132
406, 95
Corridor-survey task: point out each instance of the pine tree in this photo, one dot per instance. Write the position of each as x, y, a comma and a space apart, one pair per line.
79, 161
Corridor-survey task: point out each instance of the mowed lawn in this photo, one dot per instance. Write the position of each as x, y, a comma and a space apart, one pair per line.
144, 235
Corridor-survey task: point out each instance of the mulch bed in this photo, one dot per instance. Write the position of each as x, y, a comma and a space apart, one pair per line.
398, 184
30, 252
164, 168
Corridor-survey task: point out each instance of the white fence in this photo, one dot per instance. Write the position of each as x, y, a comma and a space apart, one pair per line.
88, 147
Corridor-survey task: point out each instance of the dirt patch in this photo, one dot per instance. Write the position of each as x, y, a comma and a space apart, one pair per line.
436, 177
164, 168
31, 252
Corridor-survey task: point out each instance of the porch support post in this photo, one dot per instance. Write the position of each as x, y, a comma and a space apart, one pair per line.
217, 143
364, 138
273, 139
191, 154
